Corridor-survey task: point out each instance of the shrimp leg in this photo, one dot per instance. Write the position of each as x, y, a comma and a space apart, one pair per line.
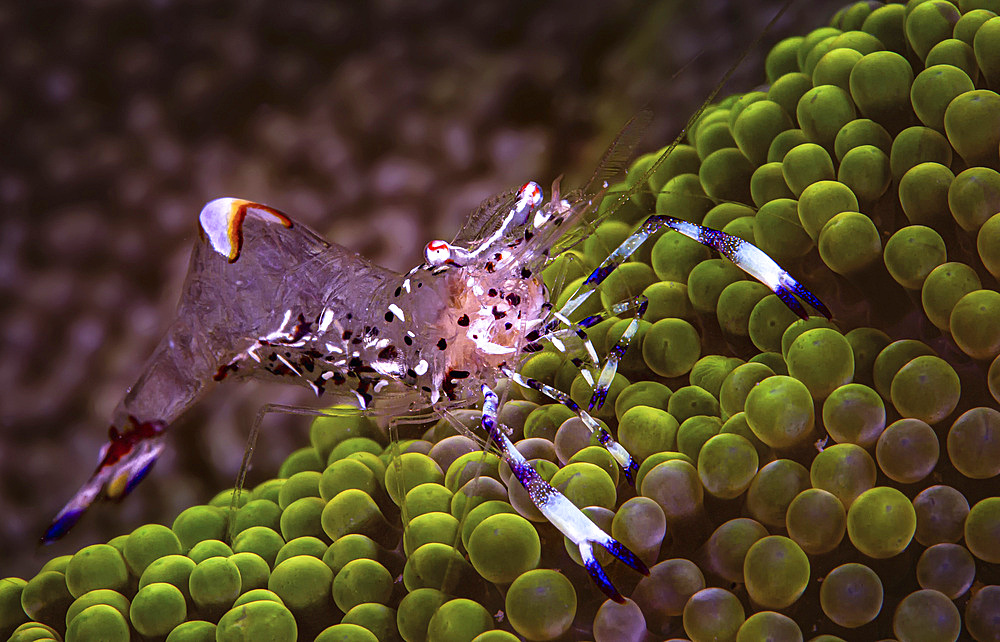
563, 514
747, 256
625, 460
615, 355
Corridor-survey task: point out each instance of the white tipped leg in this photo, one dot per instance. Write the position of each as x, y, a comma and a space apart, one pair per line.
625, 460
561, 512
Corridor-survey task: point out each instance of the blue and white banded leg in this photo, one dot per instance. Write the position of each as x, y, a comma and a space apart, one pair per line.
625, 460
636, 304
561, 512
615, 355
747, 256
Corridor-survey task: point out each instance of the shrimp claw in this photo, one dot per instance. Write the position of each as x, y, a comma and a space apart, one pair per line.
747, 256
561, 512
125, 460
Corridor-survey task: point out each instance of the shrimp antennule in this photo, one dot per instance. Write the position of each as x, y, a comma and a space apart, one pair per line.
563, 514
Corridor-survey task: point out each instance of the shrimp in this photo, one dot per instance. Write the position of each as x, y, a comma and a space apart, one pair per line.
266, 296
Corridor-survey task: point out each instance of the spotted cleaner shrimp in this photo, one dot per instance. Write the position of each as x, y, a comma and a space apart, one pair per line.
266, 296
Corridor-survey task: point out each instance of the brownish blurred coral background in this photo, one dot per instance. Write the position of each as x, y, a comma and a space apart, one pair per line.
379, 124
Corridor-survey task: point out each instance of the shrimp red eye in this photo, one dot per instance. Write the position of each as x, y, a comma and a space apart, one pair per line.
530, 195
437, 253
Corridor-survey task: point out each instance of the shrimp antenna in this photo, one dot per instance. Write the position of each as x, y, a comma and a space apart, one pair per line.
622, 197
620, 151
492, 207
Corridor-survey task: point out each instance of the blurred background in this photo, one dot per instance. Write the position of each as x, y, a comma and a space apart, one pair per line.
379, 124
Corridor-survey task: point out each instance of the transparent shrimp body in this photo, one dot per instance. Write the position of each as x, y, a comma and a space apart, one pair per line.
268, 297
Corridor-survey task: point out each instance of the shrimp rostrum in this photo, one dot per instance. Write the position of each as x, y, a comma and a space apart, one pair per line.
266, 296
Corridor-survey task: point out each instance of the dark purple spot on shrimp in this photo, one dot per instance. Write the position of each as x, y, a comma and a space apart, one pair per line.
514, 300
224, 371
463, 320
442, 344
301, 329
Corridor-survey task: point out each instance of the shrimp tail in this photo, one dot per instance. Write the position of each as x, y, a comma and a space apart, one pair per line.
125, 461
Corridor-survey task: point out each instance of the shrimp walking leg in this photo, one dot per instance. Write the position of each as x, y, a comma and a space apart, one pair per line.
625, 460
254, 435
580, 330
565, 516
399, 412
615, 355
